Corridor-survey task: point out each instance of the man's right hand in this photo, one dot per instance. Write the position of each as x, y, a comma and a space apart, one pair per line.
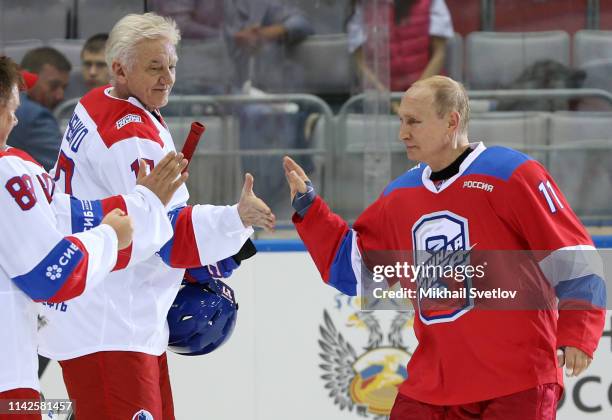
122, 225
252, 209
295, 175
165, 178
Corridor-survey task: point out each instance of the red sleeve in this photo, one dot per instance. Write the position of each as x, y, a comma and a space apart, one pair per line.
182, 250
325, 234
544, 218
540, 211
322, 232
108, 205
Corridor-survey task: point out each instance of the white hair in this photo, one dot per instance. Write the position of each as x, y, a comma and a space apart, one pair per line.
133, 28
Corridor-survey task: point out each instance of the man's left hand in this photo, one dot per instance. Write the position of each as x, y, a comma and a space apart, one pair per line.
575, 360
252, 209
165, 178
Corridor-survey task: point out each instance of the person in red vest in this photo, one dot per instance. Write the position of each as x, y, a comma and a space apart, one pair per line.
418, 33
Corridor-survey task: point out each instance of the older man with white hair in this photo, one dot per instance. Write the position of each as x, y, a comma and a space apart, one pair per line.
111, 343
475, 359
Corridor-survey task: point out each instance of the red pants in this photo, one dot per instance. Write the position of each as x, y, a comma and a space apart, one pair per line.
539, 403
18, 394
118, 385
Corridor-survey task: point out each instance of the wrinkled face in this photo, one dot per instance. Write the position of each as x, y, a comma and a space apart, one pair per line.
424, 134
50, 87
151, 74
8, 120
94, 70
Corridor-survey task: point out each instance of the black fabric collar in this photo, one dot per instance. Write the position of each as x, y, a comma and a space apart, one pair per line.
451, 169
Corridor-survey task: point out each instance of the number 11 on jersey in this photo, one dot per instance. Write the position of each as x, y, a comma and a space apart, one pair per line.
547, 190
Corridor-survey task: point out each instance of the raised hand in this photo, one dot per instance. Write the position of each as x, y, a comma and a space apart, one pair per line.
295, 175
122, 225
252, 210
165, 178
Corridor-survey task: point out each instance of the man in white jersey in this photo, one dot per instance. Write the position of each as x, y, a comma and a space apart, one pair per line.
111, 343
55, 247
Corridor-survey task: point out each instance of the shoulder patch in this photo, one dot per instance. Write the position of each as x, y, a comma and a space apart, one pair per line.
410, 179
129, 118
497, 161
114, 117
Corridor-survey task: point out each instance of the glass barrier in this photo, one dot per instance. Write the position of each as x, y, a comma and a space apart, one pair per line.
522, 61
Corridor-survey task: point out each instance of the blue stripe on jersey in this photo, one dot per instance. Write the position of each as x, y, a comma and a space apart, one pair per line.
409, 179
589, 288
86, 214
341, 274
166, 250
44, 281
497, 161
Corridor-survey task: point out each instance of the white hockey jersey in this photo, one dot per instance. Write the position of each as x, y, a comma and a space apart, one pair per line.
99, 156
38, 261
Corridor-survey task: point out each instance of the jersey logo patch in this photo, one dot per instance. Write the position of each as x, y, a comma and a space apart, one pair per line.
441, 242
129, 118
143, 415
54, 272
227, 293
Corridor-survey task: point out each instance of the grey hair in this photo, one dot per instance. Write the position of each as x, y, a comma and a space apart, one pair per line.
449, 95
133, 28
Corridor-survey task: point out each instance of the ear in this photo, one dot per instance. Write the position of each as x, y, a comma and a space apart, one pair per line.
119, 72
453, 122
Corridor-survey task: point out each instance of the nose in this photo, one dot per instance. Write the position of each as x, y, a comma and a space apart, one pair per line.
166, 78
404, 133
15, 120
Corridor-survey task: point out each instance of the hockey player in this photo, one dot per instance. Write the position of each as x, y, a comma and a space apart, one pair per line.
111, 342
55, 247
470, 363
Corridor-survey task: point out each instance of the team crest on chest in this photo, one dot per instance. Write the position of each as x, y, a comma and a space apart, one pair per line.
441, 243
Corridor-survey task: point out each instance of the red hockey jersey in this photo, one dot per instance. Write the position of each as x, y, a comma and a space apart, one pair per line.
500, 200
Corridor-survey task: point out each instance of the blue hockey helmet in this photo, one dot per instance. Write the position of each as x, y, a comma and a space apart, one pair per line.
202, 318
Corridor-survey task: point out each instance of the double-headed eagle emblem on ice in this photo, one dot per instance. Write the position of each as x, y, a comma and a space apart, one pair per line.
366, 381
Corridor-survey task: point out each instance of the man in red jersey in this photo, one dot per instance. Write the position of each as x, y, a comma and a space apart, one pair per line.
470, 363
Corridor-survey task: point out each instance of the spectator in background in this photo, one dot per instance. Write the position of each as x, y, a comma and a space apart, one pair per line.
94, 71
250, 28
418, 33
38, 132
196, 19
256, 34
